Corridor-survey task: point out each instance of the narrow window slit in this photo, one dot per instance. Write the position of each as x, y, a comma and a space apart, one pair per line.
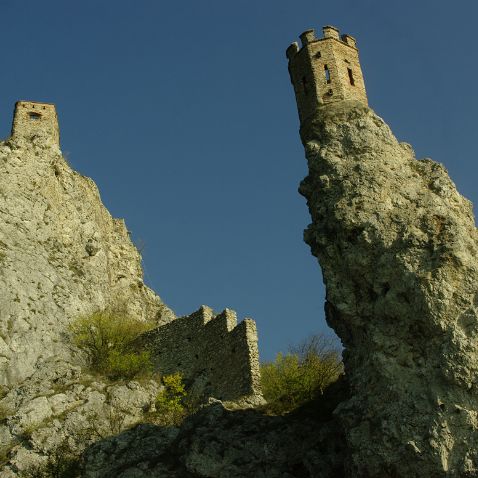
351, 77
304, 85
327, 73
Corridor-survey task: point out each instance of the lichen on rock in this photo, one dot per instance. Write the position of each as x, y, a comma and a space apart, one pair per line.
397, 245
62, 255
66, 268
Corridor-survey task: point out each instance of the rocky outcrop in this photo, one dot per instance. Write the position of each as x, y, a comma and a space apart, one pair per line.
221, 443
62, 255
397, 246
59, 411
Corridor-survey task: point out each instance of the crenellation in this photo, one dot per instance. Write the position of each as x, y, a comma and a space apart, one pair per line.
307, 37
350, 40
32, 119
203, 315
224, 322
292, 50
330, 32
212, 352
325, 70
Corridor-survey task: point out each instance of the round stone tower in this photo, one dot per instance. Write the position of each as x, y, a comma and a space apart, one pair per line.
325, 70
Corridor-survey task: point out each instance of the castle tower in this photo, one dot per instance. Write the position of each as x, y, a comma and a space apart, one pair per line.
325, 70
31, 118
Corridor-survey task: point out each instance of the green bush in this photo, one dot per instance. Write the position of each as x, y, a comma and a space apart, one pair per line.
107, 339
128, 365
300, 375
60, 464
170, 402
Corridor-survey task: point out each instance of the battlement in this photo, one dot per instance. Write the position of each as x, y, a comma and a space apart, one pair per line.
325, 70
33, 119
215, 355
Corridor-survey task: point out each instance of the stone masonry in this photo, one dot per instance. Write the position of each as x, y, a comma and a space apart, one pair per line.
215, 355
325, 70
31, 118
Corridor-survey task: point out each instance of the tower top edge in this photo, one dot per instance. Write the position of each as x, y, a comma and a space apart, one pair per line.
19, 102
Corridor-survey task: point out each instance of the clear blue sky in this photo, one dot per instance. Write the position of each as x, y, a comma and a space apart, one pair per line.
183, 114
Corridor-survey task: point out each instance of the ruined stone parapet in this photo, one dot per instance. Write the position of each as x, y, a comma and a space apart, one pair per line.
215, 355
325, 70
32, 119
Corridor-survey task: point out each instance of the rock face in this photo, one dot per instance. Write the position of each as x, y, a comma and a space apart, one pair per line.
63, 256
220, 443
397, 246
61, 253
59, 411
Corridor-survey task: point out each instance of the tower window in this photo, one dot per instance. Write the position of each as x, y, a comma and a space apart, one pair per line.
318, 54
304, 85
327, 73
351, 76
34, 116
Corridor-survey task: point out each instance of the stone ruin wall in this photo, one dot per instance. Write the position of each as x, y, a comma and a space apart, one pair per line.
31, 118
215, 355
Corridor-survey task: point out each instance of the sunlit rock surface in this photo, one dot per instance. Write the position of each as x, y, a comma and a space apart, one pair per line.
61, 255
397, 245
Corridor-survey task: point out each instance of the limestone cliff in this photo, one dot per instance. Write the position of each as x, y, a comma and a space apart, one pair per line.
61, 255
397, 246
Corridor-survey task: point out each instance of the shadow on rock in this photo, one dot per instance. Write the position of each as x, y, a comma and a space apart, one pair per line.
223, 443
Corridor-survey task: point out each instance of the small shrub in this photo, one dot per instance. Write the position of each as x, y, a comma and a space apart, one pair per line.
5, 412
300, 375
107, 339
170, 402
104, 424
322, 360
128, 365
4, 455
60, 464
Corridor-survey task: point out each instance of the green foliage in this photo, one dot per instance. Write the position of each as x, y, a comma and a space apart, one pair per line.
170, 402
300, 375
4, 455
5, 412
128, 365
107, 339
